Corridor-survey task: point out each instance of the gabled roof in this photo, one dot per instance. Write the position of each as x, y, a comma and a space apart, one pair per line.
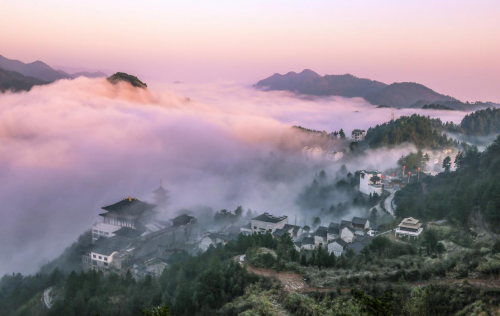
308, 241
160, 191
295, 228
334, 228
345, 223
280, 232
266, 217
129, 206
128, 232
184, 218
322, 231
339, 241
359, 220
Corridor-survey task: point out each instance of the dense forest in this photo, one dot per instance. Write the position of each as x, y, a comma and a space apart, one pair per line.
473, 188
437, 107
480, 123
422, 131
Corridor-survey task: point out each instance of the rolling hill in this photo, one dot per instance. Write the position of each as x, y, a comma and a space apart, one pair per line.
309, 82
15, 82
133, 80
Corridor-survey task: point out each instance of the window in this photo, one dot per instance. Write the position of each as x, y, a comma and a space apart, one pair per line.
100, 257
255, 227
94, 256
106, 264
94, 262
105, 258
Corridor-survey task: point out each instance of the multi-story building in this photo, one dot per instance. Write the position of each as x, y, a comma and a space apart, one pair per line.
358, 135
409, 227
268, 223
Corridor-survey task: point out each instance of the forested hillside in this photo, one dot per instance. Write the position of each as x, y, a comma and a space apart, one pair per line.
422, 131
473, 187
480, 123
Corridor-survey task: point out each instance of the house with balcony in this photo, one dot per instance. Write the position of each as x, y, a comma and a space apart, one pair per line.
410, 227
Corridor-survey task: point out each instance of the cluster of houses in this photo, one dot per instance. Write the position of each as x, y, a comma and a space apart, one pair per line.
336, 238
131, 238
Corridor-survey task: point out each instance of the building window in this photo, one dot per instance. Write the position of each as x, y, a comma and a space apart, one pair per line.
106, 264
94, 256
94, 262
255, 227
100, 258
105, 258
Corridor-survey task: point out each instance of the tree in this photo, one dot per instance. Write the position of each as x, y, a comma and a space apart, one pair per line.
342, 134
306, 228
381, 306
239, 211
157, 311
316, 222
447, 164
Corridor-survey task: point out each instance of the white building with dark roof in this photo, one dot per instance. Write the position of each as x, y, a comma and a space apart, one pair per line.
409, 227
337, 246
360, 222
268, 223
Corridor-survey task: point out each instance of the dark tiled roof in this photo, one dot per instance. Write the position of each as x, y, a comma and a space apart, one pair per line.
266, 217
341, 242
345, 223
129, 206
322, 231
160, 191
308, 241
359, 220
182, 219
334, 229
280, 232
128, 232
109, 245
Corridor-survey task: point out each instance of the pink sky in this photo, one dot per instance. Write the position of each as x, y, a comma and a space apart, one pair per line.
452, 46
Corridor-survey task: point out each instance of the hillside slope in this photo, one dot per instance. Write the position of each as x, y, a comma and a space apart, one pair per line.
15, 82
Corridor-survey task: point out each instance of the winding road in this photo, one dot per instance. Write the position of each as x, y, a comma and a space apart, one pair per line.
46, 297
388, 203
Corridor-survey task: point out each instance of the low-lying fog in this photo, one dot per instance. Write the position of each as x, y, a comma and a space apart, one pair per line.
71, 147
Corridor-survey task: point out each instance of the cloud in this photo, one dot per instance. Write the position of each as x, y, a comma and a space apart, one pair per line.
71, 147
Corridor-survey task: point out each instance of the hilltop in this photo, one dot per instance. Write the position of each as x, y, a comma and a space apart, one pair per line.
309, 82
133, 80
398, 95
15, 82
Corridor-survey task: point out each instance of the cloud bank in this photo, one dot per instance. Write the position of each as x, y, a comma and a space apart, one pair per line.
71, 147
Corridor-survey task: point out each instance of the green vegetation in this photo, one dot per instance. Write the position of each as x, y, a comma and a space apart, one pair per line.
422, 131
479, 123
121, 76
16, 82
437, 107
473, 188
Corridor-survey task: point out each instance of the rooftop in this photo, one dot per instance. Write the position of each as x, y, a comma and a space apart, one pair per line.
266, 217
184, 218
359, 220
340, 241
128, 232
129, 206
334, 228
322, 231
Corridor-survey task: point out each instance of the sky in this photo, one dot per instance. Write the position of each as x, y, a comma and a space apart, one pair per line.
451, 46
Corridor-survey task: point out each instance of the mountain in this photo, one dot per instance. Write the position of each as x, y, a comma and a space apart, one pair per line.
121, 76
37, 69
309, 82
456, 105
42, 71
14, 81
405, 94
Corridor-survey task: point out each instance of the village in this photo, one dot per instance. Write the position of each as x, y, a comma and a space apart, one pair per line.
130, 237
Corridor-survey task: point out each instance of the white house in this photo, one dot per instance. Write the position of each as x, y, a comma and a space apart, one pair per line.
360, 222
347, 233
409, 227
215, 239
305, 242
367, 186
333, 231
268, 223
102, 253
321, 236
337, 246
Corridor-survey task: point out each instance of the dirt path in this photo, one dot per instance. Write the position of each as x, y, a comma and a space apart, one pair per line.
293, 282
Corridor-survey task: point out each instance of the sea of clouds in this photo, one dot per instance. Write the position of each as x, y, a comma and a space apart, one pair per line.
71, 147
